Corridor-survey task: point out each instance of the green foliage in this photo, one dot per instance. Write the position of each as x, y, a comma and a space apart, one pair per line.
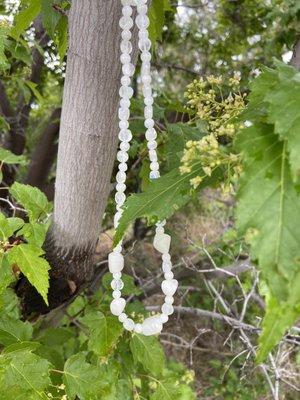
147, 351
32, 199
25, 17
268, 198
162, 198
8, 157
3, 42
157, 18
28, 259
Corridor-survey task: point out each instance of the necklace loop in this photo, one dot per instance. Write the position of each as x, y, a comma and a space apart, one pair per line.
151, 325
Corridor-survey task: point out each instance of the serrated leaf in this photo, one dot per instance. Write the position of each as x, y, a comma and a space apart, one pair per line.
32, 199
268, 206
34, 233
50, 17
279, 317
81, 378
168, 390
104, 333
6, 274
25, 17
28, 258
8, 157
3, 43
8, 226
13, 331
27, 371
162, 198
148, 351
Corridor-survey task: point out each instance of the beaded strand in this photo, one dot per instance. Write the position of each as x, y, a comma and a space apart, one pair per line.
151, 325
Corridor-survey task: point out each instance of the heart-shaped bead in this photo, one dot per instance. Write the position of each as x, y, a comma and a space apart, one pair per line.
162, 242
117, 306
169, 287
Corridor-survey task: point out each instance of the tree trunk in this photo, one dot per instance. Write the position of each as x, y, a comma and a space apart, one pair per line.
87, 147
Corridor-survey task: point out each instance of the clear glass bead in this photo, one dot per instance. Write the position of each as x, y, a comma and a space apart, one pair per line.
167, 309
128, 324
126, 46
123, 167
126, 91
148, 101
154, 175
126, 22
149, 123
142, 21
154, 166
128, 69
152, 155
122, 317
117, 275
125, 80
126, 34
151, 135
124, 113
145, 45
146, 56
126, 11
123, 124
122, 156
125, 58
169, 275
125, 146
117, 284
125, 135
116, 294
120, 197
152, 145
121, 177
146, 79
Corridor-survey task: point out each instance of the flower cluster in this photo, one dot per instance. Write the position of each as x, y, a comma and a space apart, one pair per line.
206, 100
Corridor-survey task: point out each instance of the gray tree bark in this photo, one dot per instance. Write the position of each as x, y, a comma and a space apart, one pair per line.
87, 147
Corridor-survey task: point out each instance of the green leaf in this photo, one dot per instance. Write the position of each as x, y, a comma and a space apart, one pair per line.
8, 226
8, 157
33, 266
6, 274
50, 17
277, 320
162, 198
32, 199
27, 371
168, 390
157, 18
104, 333
81, 378
25, 17
3, 43
178, 135
13, 331
34, 233
148, 351
33, 87
62, 37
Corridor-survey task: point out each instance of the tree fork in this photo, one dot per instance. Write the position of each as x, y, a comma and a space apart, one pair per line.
87, 146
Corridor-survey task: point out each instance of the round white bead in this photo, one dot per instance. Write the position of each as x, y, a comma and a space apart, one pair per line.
117, 284
116, 294
125, 146
120, 198
164, 318
167, 309
138, 328
169, 299
154, 174
125, 135
169, 275
117, 275
122, 317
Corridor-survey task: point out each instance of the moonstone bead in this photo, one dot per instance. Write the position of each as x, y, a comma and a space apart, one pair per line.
162, 242
128, 324
115, 262
116, 294
169, 287
152, 325
117, 306
167, 309
138, 328
169, 299
164, 318
122, 317
169, 275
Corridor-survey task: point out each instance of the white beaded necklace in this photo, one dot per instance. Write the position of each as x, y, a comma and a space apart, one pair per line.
151, 325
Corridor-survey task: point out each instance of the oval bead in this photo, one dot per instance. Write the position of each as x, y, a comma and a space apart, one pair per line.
115, 262
152, 325
117, 306
162, 242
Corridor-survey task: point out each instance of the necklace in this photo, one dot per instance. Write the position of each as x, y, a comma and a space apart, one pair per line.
151, 325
